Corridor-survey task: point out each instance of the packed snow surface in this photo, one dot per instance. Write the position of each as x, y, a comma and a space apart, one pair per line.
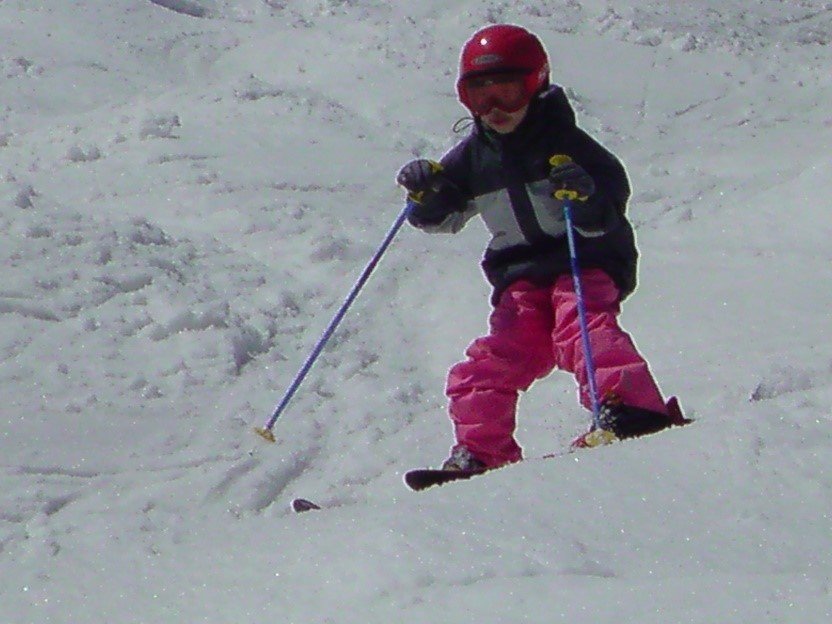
188, 190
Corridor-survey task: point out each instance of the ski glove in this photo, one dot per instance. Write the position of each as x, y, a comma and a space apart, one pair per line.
433, 196
571, 181
421, 178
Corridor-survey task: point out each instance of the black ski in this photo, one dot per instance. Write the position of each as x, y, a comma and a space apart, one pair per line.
299, 505
423, 478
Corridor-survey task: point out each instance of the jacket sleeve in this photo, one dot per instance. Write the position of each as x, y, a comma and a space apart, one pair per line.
608, 204
450, 208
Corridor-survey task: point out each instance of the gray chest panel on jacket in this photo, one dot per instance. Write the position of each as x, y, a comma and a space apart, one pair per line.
496, 211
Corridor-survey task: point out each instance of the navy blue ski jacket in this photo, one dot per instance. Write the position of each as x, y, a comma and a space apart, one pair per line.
504, 180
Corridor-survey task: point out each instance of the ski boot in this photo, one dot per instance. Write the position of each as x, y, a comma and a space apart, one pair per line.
618, 421
463, 460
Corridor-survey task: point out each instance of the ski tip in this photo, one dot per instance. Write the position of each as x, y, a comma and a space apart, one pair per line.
424, 478
299, 505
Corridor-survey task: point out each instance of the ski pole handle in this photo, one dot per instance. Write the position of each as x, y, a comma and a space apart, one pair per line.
566, 195
558, 160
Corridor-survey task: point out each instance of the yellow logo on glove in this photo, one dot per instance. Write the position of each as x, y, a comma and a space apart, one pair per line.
559, 159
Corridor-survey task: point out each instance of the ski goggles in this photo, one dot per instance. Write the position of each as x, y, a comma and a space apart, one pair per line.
506, 91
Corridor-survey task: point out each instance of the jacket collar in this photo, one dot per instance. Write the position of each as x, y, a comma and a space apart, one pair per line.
551, 107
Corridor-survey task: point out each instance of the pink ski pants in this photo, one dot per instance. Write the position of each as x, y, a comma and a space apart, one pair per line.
534, 330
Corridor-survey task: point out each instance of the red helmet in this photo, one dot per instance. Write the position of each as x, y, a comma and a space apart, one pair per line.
503, 48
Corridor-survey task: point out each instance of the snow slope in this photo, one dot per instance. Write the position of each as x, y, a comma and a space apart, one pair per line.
189, 188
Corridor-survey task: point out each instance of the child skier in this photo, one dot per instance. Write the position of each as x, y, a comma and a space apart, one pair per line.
502, 172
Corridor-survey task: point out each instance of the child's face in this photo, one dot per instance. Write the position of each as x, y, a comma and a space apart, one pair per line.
502, 122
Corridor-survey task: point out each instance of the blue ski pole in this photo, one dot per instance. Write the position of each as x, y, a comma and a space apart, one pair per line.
568, 197
266, 431
579, 295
